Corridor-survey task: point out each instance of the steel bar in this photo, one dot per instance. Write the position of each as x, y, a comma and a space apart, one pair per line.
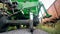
18, 21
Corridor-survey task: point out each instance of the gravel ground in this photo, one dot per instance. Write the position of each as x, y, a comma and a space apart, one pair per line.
25, 31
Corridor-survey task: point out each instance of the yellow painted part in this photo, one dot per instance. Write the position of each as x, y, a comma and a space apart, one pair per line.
1, 6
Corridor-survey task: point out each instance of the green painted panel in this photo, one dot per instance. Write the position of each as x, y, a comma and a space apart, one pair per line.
34, 6
24, 0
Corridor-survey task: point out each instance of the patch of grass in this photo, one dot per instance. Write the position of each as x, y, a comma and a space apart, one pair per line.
12, 28
50, 30
46, 28
57, 28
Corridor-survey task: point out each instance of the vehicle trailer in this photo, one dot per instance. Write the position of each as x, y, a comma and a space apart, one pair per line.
20, 12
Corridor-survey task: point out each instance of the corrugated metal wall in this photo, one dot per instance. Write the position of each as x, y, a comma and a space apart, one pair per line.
54, 10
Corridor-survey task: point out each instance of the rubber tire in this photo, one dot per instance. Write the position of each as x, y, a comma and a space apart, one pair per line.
3, 28
35, 20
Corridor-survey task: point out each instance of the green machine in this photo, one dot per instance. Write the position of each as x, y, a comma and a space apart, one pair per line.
17, 12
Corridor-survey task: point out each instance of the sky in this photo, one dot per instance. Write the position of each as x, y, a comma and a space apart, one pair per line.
47, 4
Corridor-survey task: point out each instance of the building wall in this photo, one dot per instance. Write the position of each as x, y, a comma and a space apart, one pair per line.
57, 4
54, 10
